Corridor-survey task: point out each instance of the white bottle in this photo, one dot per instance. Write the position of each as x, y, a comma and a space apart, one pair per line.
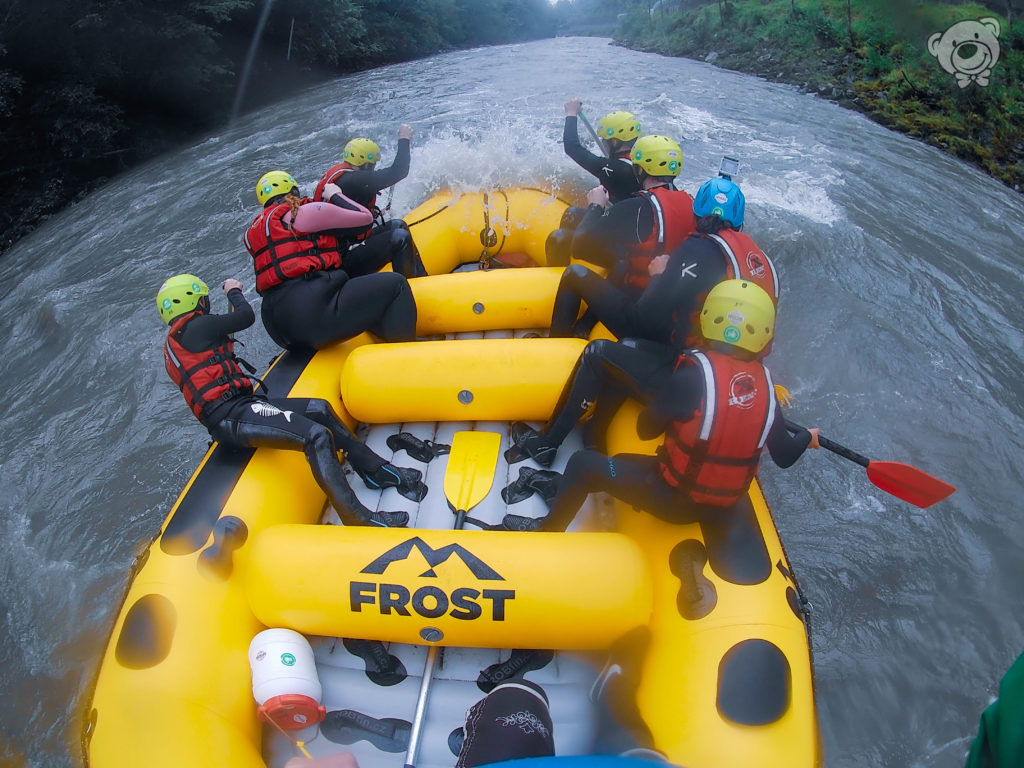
284, 679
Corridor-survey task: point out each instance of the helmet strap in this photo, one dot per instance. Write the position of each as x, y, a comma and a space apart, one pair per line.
731, 350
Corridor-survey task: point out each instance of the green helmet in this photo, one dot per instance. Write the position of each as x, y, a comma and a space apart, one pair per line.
657, 155
618, 125
178, 295
740, 313
274, 183
360, 152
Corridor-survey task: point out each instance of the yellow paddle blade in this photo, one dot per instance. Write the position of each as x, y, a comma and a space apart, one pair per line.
471, 465
782, 395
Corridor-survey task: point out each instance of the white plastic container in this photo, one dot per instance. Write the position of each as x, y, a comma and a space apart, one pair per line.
284, 679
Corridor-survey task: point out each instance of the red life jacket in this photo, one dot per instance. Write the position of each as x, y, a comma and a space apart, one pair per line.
747, 262
714, 456
280, 254
673, 223
205, 378
334, 173
754, 265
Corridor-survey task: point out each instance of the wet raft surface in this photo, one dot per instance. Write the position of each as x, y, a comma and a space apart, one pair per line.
370, 688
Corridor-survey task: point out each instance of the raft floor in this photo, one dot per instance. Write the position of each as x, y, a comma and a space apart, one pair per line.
567, 678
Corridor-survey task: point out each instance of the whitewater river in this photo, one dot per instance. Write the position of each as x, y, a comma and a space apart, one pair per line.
899, 334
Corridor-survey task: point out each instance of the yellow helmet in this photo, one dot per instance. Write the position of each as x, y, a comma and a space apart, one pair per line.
178, 295
274, 183
360, 152
657, 155
740, 313
618, 125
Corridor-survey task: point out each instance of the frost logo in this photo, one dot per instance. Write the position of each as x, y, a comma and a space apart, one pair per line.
967, 50
434, 558
430, 601
262, 408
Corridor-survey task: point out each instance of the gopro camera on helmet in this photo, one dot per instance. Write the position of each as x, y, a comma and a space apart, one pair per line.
729, 167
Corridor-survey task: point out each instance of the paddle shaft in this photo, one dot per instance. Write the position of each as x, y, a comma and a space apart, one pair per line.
593, 133
464, 498
421, 706
428, 676
828, 445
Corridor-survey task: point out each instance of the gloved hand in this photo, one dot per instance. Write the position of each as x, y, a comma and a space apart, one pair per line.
657, 265
598, 196
330, 190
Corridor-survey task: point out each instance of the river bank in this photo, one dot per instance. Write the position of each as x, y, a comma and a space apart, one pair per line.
867, 56
135, 80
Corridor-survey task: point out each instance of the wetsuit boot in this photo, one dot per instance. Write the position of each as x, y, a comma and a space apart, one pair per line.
406, 480
421, 450
323, 461
527, 442
531, 481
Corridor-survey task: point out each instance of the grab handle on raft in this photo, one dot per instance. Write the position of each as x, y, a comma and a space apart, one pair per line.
467, 480
900, 480
593, 133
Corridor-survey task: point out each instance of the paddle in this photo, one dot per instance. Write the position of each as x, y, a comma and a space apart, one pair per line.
467, 480
470, 472
901, 480
593, 133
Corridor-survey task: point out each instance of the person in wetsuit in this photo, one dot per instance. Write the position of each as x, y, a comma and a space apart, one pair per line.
387, 241
617, 131
625, 237
200, 359
300, 255
666, 310
716, 406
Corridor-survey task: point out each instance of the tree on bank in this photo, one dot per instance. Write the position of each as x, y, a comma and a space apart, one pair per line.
90, 88
871, 55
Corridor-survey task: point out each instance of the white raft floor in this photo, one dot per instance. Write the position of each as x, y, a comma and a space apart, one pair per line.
567, 679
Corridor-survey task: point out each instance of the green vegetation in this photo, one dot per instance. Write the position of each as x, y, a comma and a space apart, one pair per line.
871, 55
90, 88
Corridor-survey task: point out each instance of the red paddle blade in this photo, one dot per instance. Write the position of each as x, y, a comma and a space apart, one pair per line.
908, 483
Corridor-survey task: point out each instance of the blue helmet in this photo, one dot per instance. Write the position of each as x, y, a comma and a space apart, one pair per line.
722, 198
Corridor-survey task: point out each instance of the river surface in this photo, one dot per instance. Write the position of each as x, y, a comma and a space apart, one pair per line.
899, 334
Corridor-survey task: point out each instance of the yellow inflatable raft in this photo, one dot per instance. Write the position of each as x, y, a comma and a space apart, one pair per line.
690, 638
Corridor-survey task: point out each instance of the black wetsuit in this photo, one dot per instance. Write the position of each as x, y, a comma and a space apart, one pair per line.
604, 237
301, 424
389, 242
324, 307
364, 185
636, 479
614, 174
663, 311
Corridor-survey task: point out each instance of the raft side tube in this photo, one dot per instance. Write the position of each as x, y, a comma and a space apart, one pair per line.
467, 380
476, 588
726, 705
485, 300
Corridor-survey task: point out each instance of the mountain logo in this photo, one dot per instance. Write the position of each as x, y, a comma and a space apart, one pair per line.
430, 601
434, 558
